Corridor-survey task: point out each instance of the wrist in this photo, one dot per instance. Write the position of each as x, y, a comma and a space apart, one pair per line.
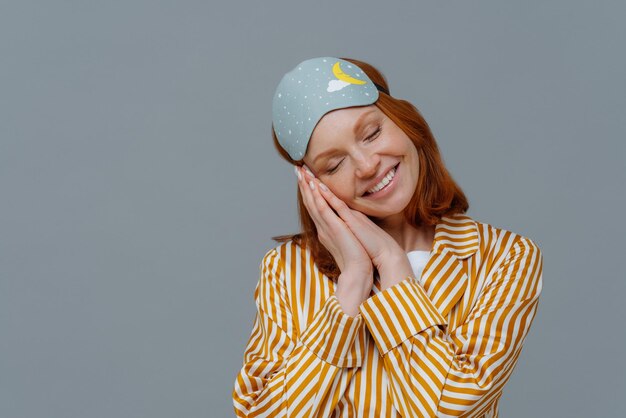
395, 271
349, 307
356, 284
351, 292
391, 281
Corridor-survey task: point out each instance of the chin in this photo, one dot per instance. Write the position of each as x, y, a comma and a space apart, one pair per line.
382, 214
387, 209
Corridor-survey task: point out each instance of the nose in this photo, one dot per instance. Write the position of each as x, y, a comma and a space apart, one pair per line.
367, 165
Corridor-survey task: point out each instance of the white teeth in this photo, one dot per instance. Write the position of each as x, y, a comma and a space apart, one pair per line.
384, 181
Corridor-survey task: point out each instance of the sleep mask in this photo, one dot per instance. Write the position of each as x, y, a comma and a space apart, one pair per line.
309, 91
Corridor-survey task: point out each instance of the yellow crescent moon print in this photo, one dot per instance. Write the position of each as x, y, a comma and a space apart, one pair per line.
343, 76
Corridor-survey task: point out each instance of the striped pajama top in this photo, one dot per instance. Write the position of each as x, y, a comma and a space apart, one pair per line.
442, 345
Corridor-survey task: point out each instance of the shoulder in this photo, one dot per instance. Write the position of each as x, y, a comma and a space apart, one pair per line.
284, 254
466, 236
489, 236
492, 247
280, 264
510, 253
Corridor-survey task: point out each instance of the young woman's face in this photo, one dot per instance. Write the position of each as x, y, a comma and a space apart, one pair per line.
352, 149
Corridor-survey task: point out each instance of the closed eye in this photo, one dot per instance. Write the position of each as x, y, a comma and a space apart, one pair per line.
375, 134
370, 138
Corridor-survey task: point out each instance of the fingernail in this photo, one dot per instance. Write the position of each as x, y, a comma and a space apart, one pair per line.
323, 186
312, 184
309, 171
295, 169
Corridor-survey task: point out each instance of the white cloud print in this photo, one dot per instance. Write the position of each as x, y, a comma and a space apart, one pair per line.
335, 85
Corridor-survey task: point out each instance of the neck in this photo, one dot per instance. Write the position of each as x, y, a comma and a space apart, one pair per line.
410, 238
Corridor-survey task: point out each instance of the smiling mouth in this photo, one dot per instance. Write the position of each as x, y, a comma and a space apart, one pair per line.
395, 168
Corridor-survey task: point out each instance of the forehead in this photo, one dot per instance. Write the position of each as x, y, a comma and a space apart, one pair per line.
338, 124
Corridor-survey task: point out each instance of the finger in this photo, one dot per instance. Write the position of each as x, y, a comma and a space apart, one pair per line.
316, 198
308, 198
342, 209
306, 167
326, 213
303, 184
333, 220
316, 190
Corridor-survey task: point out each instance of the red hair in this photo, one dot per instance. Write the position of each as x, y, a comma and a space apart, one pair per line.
436, 193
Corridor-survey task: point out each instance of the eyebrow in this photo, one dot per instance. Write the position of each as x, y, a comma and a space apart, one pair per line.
356, 128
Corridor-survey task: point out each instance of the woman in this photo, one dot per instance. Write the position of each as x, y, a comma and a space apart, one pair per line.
392, 301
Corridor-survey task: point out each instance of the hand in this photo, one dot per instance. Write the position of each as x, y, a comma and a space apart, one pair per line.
384, 252
351, 258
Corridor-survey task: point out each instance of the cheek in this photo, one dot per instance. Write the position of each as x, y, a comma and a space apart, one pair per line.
341, 194
341, 190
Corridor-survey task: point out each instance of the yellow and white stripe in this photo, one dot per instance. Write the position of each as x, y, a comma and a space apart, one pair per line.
440, 346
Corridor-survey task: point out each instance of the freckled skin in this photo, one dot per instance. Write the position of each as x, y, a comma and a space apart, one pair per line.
364, 159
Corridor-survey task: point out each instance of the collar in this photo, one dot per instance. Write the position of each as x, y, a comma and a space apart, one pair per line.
458, 233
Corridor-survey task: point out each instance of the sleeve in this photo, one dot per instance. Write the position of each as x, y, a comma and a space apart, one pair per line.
434, 372
290, 374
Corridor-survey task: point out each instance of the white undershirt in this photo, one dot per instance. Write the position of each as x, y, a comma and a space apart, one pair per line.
418, 259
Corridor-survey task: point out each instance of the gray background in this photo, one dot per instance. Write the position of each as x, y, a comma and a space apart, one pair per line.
139, 187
